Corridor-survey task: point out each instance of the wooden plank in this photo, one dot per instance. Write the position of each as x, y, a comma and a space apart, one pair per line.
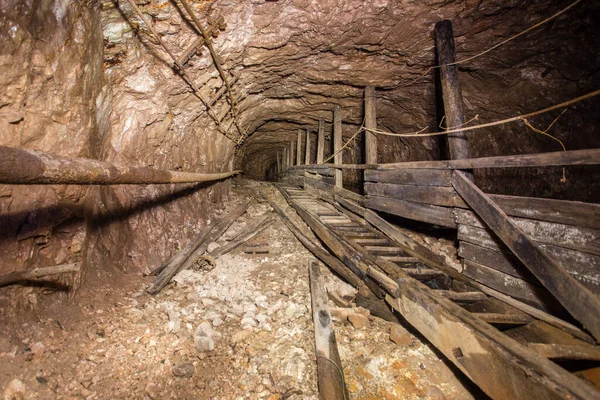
307, 156
566, 352
436, 195
519, 289
503, 262
370, 123
330, 375
561, 211
582, 266
576, 298
321, 142
553, 159
500, 366
337, 143
423, 274
436, 215
568, 236
420, 177
299, 148
324, 179
504, 319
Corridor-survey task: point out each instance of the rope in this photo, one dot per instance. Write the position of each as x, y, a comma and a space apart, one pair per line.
490, 124
564, 10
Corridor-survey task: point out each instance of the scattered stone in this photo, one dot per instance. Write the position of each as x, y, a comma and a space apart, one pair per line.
217, 322
339, 313
399, 335
248, 322
38, 349
203, 343
15, 390
184, 370
212, 247
338, 300
358, 321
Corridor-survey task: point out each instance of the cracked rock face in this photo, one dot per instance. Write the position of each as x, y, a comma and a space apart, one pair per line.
87, 78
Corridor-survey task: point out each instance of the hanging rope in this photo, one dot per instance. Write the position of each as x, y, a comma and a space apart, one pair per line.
490, 124
545, 21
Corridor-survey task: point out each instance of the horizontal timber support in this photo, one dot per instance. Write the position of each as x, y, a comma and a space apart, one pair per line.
19, 166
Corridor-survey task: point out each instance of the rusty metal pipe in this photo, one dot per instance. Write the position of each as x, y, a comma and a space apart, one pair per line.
27, 167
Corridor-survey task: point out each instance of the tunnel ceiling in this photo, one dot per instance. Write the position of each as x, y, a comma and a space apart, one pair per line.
296, 59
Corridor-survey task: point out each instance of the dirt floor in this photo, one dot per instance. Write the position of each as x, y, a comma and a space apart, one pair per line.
239, 329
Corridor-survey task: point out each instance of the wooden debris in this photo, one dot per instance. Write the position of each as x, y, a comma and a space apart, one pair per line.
21, 276
329, 366
188, 256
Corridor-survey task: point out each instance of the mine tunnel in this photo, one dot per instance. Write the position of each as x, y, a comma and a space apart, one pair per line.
292, 199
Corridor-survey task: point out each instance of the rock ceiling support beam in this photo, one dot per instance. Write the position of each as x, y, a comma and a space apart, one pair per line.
370, 123
337, 143
321, 142
299, 148
286, 161
291, 154
19, 166
307, 157
451, 92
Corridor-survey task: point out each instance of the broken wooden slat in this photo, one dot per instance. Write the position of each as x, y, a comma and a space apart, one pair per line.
435, 195
577, 299
465, 297
330, 374
242, 238
34, 273
566, 352
185, 259
423, 274
504, 319
337, 143
436, 215
419, 177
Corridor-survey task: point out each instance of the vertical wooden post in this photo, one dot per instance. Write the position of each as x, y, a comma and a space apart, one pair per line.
451, 93
278, 162
321, 142
299, 148
291, 154
285, 158
370, 123
337, 143
307, 157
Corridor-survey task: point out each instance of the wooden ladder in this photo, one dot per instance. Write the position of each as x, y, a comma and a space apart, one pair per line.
508, 352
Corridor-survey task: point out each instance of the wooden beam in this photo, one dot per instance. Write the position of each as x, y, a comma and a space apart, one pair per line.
307, 158
419, 177
370, 123
553, 159
436, 215
299, 148
285, 159
451, 92
34, 273
321, 142
434, 195
21, 166
337, 143
576, 298
291, 154
278, 161
330, 375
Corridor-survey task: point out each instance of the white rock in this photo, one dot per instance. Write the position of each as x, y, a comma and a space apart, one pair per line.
203, 343
261, 318
248, 322
212, 247
217, 322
